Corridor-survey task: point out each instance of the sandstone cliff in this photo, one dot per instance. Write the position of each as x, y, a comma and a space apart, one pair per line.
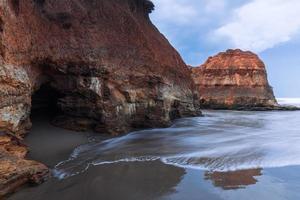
234, 79
111, 69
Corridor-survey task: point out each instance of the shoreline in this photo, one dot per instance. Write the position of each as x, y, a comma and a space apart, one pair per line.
138, 180
250, 109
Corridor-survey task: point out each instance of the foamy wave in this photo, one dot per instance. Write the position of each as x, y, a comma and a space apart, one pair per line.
223, 141
62, 174
187, 162
218, 165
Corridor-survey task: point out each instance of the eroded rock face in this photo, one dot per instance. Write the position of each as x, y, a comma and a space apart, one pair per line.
16, 87
112, 67
14, 169
234, 79
113, 70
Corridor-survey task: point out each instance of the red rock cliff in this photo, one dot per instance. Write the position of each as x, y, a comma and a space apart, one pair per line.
234, 79
112, 70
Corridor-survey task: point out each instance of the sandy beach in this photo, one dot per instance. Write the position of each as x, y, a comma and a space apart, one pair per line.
102, 168
49, 144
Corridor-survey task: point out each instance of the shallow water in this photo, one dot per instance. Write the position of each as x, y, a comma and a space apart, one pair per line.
221, 141
223, 155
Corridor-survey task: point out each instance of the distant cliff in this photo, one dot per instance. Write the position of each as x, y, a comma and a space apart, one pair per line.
234, 79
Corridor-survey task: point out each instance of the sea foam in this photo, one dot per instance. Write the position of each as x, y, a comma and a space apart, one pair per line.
220, 141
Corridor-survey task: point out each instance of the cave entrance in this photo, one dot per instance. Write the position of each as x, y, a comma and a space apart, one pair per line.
45, 102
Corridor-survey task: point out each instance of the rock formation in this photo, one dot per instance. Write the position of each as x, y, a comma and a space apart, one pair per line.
111, 69
234, 79
14, 169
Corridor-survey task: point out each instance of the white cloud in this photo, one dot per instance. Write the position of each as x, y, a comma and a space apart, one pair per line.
175, 11
187, 12
262, 24
186, 23
214, 5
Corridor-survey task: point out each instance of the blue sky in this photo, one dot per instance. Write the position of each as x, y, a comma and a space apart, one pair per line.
270, 28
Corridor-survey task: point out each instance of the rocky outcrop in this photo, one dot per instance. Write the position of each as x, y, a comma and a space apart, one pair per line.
14, 169
111, 70
16, 87
234, 79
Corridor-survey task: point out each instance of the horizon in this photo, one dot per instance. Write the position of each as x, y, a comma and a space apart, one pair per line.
202, 28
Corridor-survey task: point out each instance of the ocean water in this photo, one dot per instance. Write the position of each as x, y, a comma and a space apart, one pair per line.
220, 141
228, 155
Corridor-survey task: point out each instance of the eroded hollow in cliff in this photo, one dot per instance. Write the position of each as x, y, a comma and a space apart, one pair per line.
45, 101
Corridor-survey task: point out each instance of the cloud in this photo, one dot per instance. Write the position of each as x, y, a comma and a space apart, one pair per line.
183, 12
262, 24
175, 11
208, 26
214, 6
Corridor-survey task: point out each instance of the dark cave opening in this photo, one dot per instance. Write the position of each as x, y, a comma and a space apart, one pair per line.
44, 102
174, 112
1, 25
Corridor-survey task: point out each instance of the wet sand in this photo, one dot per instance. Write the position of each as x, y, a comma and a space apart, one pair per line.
154, 179
49, 144
119, 181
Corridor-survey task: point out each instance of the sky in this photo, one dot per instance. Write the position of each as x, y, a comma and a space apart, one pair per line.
271, 28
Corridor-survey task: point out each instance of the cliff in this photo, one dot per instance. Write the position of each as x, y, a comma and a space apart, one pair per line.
112, 68
108, 67
234, 79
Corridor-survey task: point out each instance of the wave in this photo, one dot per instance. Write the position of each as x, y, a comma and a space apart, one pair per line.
221, 141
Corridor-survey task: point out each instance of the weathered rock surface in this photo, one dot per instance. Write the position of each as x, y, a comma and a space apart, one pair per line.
111, 69
234, 79
14, 169
16, 87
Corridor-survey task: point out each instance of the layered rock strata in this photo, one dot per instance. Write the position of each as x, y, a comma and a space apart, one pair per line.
234, 79
111, 68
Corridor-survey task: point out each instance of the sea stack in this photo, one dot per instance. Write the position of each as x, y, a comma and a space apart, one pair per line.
101, 65
234, 79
